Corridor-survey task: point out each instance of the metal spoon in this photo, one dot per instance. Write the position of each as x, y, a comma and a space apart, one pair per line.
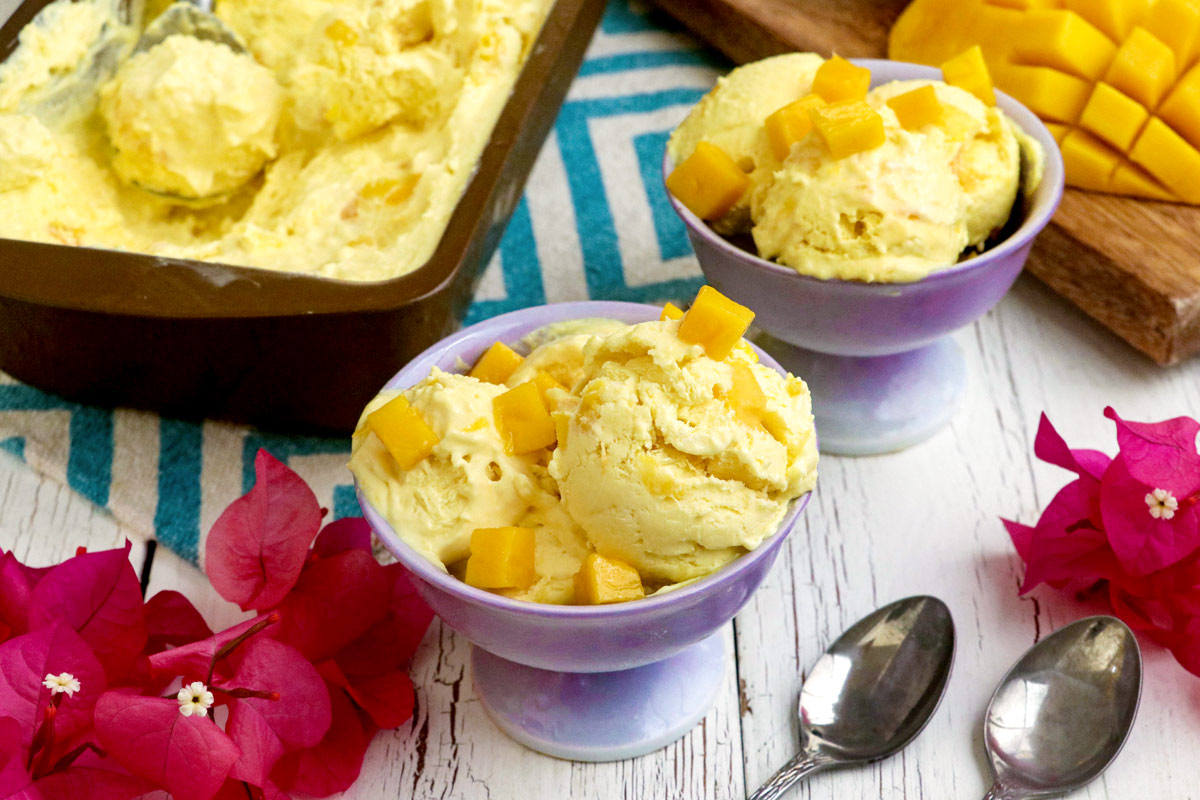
1063, 712
873, 690
189, 18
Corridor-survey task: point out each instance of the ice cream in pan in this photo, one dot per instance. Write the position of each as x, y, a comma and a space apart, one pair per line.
611, 462
837, 180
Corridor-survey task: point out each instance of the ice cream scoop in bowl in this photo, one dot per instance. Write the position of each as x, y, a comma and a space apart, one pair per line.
591, 683
878, 357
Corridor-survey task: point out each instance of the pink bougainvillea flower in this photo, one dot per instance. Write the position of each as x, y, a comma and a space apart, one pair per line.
259, 544
99, 595
1144, 543
1050, 447
347, 533
333, 764
190, 757
197, 660
1067, 549
24, 663
294, 715
336, 600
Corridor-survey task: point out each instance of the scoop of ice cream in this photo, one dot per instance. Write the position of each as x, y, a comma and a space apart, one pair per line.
731, 117
558, 350
894, 213
191, 118
984, 153
27, 150
661, 471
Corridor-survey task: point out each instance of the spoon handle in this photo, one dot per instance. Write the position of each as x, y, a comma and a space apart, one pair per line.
1001, 792
799, 767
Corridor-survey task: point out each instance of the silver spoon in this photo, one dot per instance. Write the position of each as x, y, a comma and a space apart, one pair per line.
190, 18
872, 691
1063, 712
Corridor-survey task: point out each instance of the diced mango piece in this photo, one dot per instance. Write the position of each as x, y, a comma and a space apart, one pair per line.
1062, 40
917, 108
1050, 94
1175, 23
1113, 117
790, 124
968, 71
1143, 68
1128, 179
838, 80
1115, 18
708, 182
544, 382
403, 431
497, 364
1057, 130
1181, 109
501, 558
849, 128
716, 322
746, 397
341, 33
522, 419
670, 311
604, 580
1090, 161
1168, 157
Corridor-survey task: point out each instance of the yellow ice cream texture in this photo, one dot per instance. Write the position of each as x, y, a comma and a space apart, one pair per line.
384, 106
654, 466
899, 212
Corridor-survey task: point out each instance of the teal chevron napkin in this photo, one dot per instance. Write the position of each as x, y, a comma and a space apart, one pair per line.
594, 223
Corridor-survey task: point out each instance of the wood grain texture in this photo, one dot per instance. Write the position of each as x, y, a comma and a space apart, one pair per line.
1132, 265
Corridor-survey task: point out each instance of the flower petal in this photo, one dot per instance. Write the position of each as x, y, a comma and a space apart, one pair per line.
1142, 543
1050, 447
347, 533
334, 763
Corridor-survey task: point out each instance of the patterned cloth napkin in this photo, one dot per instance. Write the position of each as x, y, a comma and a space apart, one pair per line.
594, 223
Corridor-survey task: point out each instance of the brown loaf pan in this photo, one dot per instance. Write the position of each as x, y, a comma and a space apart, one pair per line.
283, 351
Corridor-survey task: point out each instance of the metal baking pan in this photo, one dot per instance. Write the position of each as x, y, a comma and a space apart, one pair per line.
283, 351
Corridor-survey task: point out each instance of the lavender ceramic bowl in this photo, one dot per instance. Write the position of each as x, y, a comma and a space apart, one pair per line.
877, 356
585, 682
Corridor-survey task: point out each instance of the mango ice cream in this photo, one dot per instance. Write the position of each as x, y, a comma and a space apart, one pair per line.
338, 147
666, 461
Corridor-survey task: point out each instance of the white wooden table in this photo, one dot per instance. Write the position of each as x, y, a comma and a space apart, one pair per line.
922, 521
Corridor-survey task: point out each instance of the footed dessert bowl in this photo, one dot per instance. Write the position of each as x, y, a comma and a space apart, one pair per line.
588, 683
879, 359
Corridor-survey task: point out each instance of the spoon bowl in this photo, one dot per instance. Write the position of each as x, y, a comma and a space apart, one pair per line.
873, 690
1064, 710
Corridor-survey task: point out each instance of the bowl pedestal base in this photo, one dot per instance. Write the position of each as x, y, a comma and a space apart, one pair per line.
601, 716
867, 405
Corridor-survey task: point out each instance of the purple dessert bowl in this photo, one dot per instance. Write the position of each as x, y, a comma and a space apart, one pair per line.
859, 343
661, 649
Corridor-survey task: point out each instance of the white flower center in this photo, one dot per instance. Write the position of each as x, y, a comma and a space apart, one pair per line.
1162, 504
195, 698
60, 683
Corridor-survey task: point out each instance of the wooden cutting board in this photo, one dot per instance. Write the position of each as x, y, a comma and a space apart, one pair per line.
1133, 265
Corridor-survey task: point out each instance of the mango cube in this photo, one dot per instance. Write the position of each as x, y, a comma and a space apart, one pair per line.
1143, 68
544, 382
1058, 130
522, 419
746, 397
1168, 157
1062, 40
1049, 93
1090, 162
917, 108
1113, 117
791, 124
670, 311
1175, 23
849, 128
1128, 179
606, 580
708, 182
1115, 18
1181, 109
968, 71
497, 364
838, 80
403, 431
716, 322
501, 558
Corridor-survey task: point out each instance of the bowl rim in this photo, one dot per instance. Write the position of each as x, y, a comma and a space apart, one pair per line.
1035, 221
425, 569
